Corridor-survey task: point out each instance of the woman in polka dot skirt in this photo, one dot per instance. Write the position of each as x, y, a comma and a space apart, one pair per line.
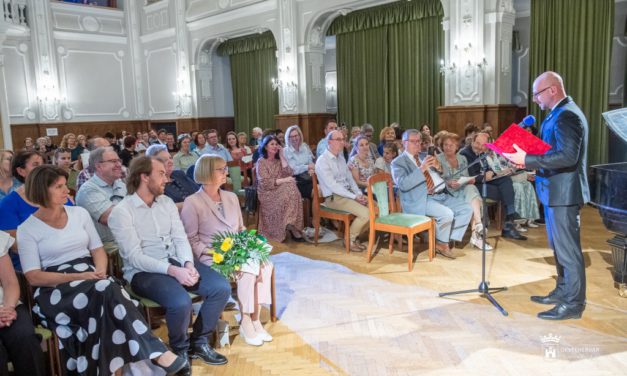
98, 325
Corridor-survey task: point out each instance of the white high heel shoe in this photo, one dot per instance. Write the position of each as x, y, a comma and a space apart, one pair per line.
265, 336
254, 341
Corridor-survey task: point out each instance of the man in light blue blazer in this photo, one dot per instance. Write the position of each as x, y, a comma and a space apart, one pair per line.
452, 215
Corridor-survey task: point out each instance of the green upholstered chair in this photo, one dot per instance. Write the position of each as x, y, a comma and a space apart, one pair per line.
152, 308
384, 217
321, 211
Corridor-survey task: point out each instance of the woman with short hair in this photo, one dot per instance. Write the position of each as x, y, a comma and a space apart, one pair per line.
98, 326
212, 210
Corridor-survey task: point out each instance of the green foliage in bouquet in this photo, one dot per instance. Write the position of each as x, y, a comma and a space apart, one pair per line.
231, 250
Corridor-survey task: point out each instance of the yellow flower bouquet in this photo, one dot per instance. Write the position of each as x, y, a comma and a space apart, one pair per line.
231, 250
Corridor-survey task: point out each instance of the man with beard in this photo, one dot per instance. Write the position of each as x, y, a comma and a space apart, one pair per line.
159, 264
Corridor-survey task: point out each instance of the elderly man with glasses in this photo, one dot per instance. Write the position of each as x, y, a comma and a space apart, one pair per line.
339, 188
102, 192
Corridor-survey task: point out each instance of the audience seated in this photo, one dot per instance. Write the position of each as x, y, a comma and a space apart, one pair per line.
452, 163
143, 141
69, 142
383, 163
18, 342
28, 144
8, 182
425, 129
339, 188
256, 138
94, 319
322, 144
129, 151
242, 138
498, 189
159, 264
185, 157
367, 130
236, 150
179, 186
213, 147
171, 143
62, 159
212, 210
280, 205
300, 160
386, 136
110, 137
42, 147
360, 163
88, 171
100, 194
451, 214
470, 129
257, 152
200, 143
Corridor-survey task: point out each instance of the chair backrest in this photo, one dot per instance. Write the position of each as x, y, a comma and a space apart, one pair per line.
315, 202
380, 187
235, 173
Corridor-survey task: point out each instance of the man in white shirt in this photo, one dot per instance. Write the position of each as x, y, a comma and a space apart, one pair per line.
102, 192
339, 188
322, 145
159, 264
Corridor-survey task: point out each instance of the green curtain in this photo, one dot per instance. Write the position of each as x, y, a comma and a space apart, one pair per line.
253, 65
388, 64
574, 39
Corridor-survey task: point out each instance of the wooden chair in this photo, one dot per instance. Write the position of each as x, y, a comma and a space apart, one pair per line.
321, 211
48, 336
389, 220
152, 308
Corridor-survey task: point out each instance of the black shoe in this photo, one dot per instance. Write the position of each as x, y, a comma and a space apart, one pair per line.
549, 299
512, 233
562, 312
512, 217
540, 221
179, 367
207, 354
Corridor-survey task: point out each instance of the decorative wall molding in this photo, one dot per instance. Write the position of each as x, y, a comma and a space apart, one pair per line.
20, 110
257, 8
168, 52
88, 37
158, 35
198, 9
157, 20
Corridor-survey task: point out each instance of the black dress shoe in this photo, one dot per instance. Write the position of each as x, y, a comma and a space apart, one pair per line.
549, 299
180, 366
207, 354
562, 312
512, 233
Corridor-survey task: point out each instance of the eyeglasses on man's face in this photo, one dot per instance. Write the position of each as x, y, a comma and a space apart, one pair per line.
338, 139
112, 161
536, 95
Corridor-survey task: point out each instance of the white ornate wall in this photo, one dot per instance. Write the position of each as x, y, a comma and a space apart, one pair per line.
157, 59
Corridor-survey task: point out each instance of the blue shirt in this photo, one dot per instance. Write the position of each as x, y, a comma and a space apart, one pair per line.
16, 185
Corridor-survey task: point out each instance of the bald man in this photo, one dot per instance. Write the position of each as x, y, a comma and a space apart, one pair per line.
562, 187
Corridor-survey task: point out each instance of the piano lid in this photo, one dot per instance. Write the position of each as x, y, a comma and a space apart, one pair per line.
608, 192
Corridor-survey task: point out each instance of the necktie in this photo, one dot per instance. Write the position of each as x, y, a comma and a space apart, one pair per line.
428, 178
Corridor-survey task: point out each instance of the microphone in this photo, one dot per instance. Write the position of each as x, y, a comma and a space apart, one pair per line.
527, 122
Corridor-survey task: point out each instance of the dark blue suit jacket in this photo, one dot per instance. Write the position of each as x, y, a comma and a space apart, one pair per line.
561, 178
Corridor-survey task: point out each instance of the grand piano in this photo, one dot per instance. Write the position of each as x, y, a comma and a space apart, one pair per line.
608, 190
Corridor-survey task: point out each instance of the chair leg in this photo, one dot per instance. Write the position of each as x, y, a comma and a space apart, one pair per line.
347, 235
410, 251
499, 216
431, 234
391, 242
272, 298
316, 224
371, 237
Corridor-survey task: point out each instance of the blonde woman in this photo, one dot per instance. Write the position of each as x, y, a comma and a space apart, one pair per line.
386, 136
212, 210
69, 142
8, 183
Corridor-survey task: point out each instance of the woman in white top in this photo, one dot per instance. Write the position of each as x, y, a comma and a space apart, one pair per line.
98, 326
300, 159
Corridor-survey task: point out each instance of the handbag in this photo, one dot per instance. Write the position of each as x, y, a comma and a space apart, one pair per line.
250, 202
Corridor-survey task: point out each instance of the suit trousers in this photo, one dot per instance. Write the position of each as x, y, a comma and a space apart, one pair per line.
501, 189
451, 215
361, 213
170, 294
251, 292
563, 230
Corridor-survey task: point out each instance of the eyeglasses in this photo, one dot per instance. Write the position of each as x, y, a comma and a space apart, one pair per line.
6, 159
535, 95
415, 142
114, 161
222, 170
337, 139
294, 136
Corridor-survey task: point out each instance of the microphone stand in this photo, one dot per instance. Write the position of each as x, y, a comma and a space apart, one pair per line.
483, 289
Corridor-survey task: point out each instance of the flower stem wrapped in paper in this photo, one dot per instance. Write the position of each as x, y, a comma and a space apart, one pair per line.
238, 251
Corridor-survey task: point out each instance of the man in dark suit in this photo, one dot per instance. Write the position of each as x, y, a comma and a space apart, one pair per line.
562, 187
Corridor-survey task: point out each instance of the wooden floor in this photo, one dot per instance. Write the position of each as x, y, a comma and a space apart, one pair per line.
526, 268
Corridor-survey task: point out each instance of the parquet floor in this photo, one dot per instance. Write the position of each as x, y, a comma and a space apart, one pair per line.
526, 268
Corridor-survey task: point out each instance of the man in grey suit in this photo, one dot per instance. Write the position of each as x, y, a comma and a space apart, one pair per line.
452, 215
562, 187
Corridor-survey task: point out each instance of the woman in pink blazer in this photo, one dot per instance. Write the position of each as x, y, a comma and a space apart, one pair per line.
212, 210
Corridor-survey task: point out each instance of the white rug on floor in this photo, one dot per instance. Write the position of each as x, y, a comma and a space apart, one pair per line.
367, 326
